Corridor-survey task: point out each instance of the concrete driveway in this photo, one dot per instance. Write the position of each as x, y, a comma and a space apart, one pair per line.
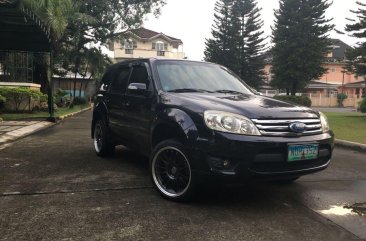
53, 187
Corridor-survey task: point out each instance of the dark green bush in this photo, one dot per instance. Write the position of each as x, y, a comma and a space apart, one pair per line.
299, 100
2, 101
61, 98
79, 101
363, 105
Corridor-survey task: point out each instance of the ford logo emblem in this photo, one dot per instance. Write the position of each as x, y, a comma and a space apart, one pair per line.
297, 127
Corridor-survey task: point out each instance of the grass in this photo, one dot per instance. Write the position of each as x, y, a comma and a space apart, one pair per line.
41, 115
348, 126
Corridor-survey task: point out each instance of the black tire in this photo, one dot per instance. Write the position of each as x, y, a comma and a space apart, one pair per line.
171, 171
103, 147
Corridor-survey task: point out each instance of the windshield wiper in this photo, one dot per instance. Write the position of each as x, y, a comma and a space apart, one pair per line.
229, 92
184, 90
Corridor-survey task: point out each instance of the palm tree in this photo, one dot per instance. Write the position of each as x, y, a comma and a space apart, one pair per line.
55, 15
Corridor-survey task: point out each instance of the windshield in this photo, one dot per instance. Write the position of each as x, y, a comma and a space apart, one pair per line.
194, 76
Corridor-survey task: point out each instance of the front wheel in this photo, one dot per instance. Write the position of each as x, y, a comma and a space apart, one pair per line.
103, 147
171, 171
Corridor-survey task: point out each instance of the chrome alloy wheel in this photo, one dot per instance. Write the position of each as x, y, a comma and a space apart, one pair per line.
171, 172
98, 138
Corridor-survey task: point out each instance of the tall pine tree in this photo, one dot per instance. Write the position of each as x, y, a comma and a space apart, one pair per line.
249, 41
219, 47
237, 41
357, 55
300, 38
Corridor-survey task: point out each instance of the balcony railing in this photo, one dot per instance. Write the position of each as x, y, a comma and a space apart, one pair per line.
128, 51
160, 53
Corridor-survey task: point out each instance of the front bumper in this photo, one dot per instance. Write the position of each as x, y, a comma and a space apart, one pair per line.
234, 155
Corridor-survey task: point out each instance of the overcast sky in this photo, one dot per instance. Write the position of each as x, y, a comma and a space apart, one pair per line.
191, 21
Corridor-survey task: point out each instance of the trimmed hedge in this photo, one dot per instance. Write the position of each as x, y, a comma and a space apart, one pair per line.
299, 100
363, 105
18, 95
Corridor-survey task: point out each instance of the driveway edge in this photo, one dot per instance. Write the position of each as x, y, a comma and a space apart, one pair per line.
32, 129
351, 145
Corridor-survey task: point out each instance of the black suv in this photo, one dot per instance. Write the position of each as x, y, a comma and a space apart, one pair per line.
196, 120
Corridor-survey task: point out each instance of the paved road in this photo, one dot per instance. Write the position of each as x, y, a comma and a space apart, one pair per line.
54, 188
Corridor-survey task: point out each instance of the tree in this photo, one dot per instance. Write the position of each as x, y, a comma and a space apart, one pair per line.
357, 56
301, 42
77, 25
249, 40
237, 41
220, 48
56, 15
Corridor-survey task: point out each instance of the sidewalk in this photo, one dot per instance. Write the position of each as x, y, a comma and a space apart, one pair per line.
13, 130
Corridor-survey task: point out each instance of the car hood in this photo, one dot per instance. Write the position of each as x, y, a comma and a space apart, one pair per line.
251, 106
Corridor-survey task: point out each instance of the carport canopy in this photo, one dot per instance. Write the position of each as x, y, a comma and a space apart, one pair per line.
20, 30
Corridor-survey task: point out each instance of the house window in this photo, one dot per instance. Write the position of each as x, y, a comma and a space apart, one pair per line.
333, 70
160, 48
129, 45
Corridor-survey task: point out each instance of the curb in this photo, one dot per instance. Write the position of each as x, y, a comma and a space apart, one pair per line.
6, 138
74, 113
350, 145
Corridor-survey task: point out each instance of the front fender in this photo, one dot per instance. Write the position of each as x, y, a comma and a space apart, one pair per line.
179, 119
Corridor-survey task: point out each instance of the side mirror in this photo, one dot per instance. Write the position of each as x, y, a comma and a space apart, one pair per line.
138, 89
137, 86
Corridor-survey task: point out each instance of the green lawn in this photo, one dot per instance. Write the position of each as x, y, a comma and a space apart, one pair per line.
348, 126
39, 115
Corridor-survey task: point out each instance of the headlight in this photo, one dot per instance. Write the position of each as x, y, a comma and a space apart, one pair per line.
324, 122
228, 122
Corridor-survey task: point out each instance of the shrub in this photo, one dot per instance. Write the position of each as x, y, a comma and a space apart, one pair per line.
300, 100
79, 101
43, 98
340, 98
19, 95
61, 98
2, 101
362, 105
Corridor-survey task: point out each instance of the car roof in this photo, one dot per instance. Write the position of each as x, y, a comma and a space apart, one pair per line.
151, 60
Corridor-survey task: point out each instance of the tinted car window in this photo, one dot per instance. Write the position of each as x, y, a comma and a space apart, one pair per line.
139, 75
119, 84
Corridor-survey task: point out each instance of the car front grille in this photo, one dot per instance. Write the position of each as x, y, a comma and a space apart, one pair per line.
280, 127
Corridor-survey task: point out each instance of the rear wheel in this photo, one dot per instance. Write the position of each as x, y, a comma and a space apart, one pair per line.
171, 171
103, 147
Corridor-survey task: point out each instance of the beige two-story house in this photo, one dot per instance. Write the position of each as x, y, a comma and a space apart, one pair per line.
145, 43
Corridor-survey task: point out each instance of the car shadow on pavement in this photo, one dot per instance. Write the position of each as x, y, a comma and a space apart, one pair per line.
210, 192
